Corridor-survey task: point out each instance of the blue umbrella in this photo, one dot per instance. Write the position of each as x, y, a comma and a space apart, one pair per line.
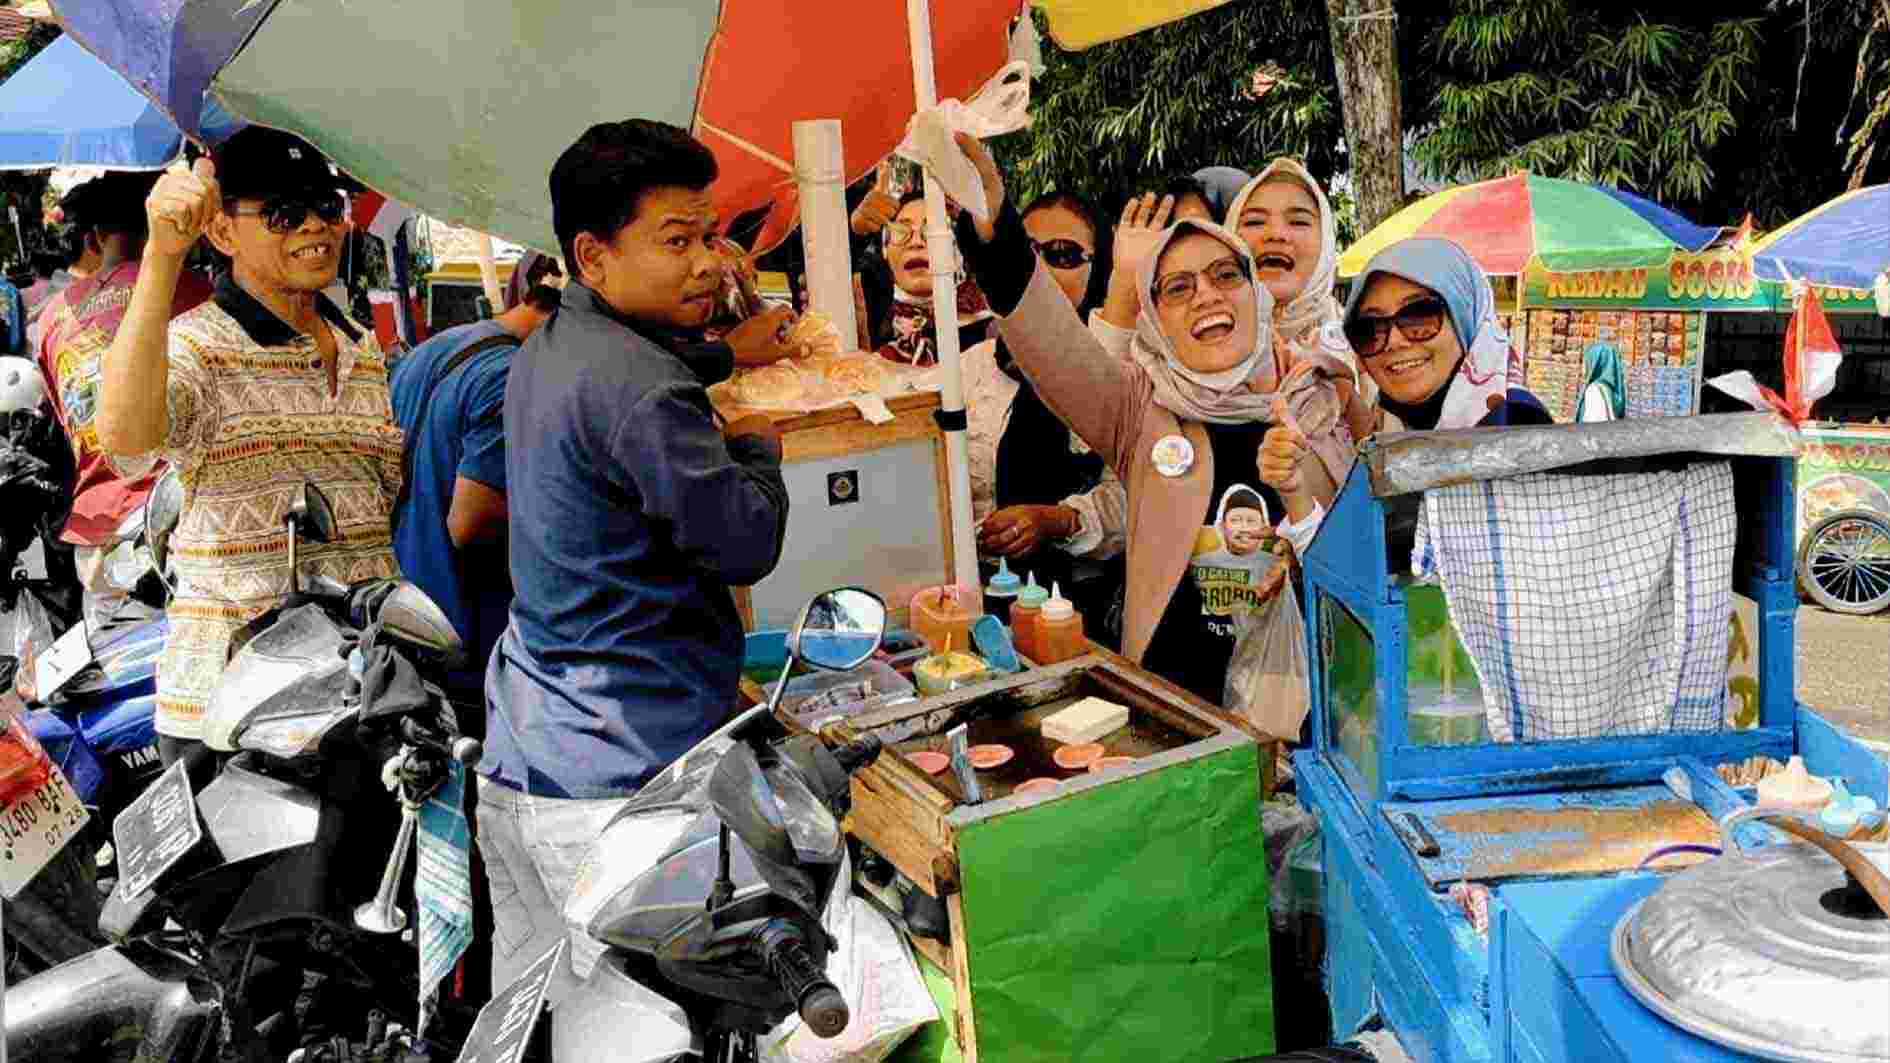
1843, 244
168, 49
67, 108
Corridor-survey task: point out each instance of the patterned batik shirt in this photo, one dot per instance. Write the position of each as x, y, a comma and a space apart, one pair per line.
251, 418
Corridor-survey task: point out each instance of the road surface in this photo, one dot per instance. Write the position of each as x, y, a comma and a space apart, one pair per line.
1844, 670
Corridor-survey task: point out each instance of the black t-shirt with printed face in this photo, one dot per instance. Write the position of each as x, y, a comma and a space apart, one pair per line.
1195, 639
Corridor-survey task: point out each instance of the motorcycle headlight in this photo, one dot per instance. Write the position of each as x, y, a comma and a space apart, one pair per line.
291, 736
812, 829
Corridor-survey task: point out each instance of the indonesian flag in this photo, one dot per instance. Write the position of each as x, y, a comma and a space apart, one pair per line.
1812, 357
379, 216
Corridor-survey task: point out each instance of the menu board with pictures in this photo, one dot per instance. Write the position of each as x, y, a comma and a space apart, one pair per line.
1660, 357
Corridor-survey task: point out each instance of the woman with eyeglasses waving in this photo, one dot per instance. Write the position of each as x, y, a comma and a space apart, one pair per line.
1180, 420
1422, 319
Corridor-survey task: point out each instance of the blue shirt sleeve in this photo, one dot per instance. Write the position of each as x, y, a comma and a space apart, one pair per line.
482, 459
724, 503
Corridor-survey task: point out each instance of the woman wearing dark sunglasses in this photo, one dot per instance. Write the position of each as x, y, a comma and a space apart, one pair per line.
1040, 497
1180, 420
1422, 320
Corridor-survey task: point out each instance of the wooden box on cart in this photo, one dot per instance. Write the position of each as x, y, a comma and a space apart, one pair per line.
1121, 915
869, 505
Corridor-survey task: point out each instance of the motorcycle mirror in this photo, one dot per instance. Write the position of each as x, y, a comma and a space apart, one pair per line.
745, 802
162, 512
408, 614
839, 629
313, 515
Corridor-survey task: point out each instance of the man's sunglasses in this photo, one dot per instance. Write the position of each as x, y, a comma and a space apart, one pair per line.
285, 213
1175, 289
1063, 254
1417, 321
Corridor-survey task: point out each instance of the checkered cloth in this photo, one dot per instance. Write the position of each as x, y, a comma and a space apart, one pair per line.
1593, 605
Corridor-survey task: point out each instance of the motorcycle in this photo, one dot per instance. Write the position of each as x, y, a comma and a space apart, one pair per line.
245, 924
708, 889
99, 727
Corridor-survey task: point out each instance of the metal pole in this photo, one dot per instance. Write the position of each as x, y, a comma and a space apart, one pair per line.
489, 273
403, 299
938, 247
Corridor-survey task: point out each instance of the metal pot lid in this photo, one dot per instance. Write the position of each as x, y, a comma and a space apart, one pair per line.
1767, 953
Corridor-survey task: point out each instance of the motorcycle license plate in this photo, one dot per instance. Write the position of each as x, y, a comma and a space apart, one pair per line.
156, 831
504, 1028
34, 827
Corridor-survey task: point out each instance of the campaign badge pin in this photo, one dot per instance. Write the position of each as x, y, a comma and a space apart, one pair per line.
1173, 456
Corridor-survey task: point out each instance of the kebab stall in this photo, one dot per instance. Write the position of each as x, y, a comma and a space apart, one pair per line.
1657, 318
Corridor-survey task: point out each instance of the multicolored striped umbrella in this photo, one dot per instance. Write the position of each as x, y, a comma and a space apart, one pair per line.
1568, 226
460, 107
1843, 244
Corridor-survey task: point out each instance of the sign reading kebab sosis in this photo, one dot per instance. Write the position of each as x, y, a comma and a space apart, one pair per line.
1716, 279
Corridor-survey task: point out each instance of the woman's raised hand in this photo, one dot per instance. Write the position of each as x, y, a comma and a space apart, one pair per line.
987, 168
1144, 218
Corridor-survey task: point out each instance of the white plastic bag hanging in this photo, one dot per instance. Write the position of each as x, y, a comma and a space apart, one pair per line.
1001, 106
874, 970
1266, 677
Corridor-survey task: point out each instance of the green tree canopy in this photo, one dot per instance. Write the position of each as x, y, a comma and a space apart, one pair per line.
1700, 107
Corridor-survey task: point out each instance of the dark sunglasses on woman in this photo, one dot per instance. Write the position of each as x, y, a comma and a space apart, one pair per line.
1063, 254
1417, 321
283, 214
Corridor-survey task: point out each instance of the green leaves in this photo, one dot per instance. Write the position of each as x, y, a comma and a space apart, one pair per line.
1689, 105
1122, 116
1625, 102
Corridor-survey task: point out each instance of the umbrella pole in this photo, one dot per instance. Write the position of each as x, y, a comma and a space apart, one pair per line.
943, 256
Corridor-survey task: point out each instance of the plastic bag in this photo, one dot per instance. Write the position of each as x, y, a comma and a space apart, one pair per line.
877, 975
32, 632
1266, 677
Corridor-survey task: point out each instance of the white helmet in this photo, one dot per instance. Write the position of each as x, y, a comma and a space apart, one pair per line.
22, 388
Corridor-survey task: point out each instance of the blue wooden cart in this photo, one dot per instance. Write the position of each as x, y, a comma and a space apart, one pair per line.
1537, 984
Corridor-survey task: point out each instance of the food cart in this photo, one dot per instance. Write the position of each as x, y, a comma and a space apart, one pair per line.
868, 505
1489, 900
1108, 913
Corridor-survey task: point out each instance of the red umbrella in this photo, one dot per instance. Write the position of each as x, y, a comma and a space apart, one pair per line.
771, 64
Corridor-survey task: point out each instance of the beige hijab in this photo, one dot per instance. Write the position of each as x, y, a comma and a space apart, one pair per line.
1247, 391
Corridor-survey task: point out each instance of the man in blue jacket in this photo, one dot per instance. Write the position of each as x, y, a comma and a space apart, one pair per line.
631, 515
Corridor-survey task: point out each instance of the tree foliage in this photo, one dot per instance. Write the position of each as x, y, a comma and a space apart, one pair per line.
1172, 100
1698, 106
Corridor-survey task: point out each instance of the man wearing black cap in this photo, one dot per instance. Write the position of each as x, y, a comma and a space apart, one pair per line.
449, 527
75, 330
264, 387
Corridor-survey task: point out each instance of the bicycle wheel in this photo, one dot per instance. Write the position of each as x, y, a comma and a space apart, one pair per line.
1845, 562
